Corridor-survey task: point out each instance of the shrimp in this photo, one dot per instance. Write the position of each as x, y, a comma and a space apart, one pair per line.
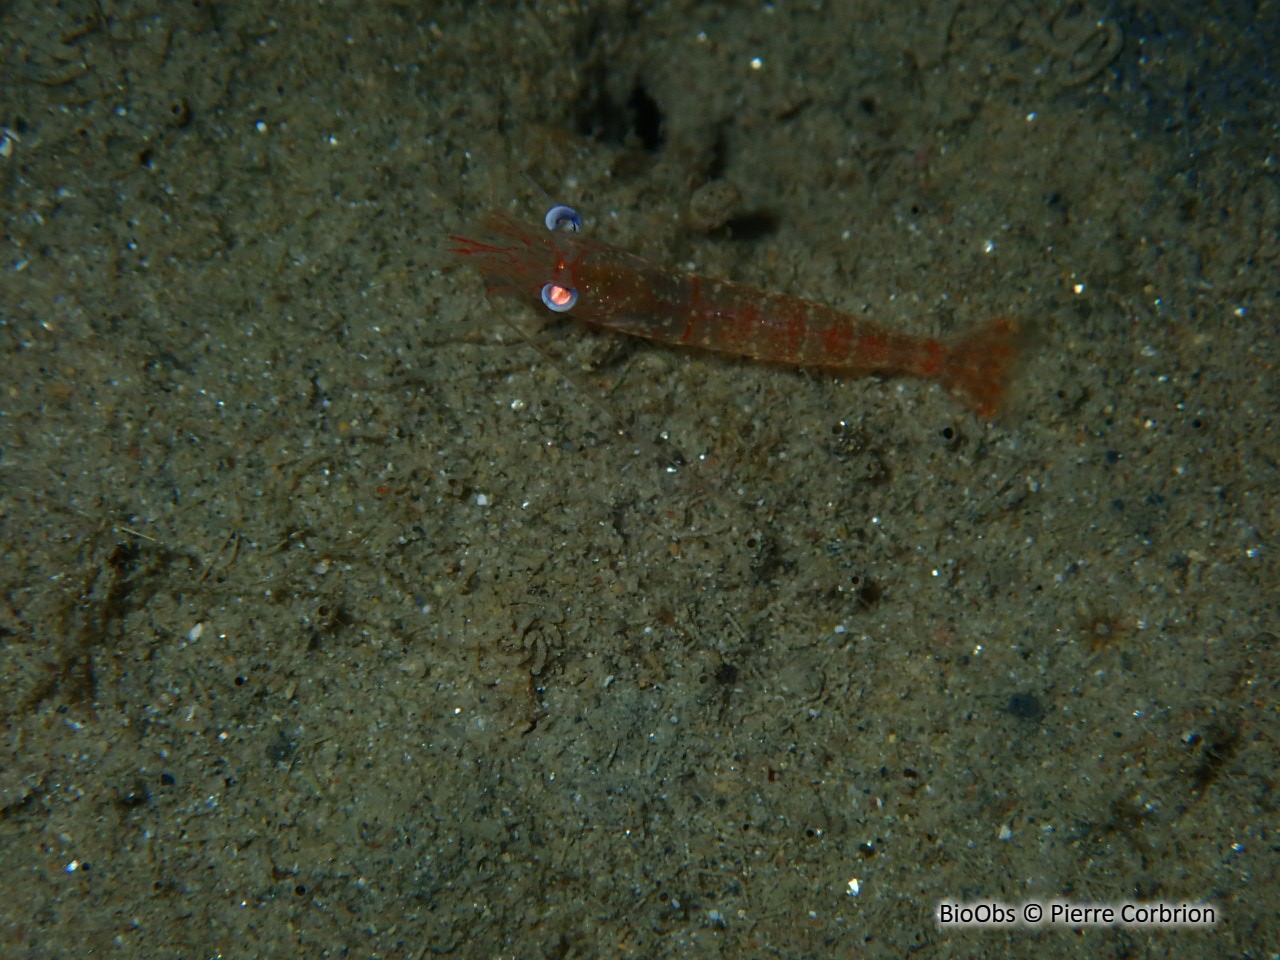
611, 288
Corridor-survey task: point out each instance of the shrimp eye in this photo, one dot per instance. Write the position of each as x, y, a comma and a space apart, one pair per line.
558, 297
561, 217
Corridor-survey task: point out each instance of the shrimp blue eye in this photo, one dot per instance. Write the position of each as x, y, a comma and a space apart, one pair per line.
561, 217
558, 297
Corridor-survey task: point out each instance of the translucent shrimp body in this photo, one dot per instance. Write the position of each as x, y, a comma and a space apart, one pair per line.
620, 291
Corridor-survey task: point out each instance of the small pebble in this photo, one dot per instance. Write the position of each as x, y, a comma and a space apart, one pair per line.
713, 205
